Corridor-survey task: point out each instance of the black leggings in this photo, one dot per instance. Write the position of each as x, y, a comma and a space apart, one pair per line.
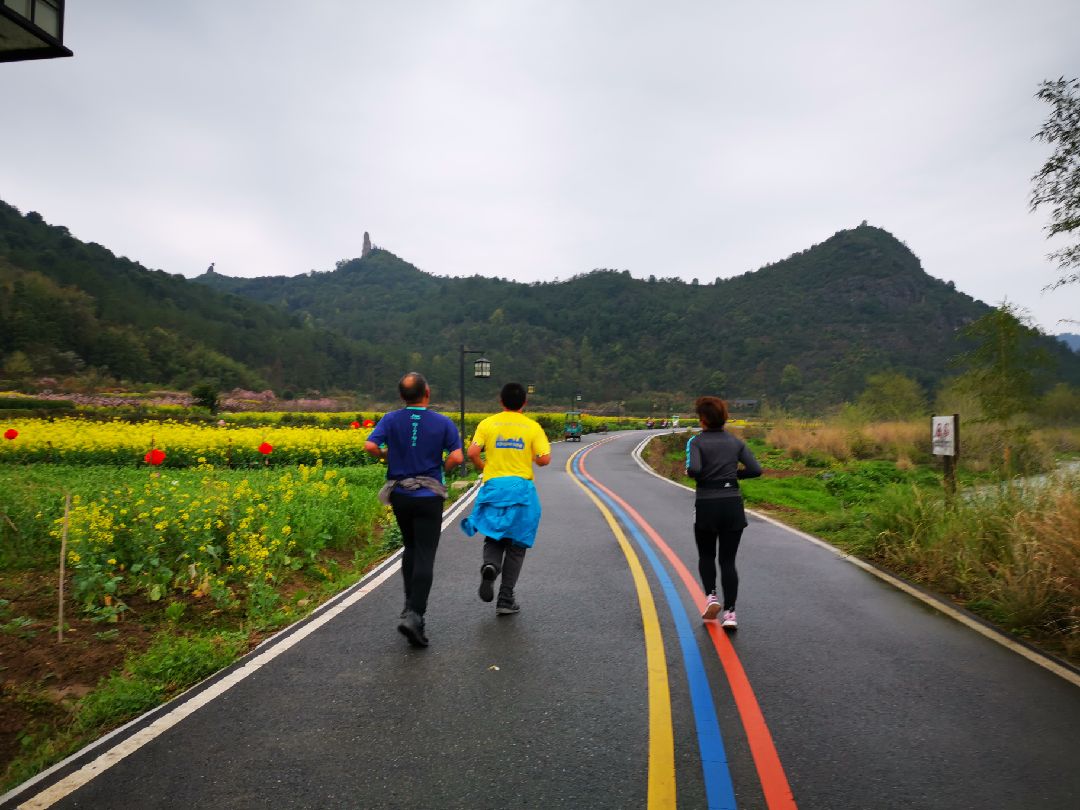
420, 520
718, 528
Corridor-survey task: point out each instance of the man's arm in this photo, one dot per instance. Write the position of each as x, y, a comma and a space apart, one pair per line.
453, 460
377, 438
541, 448
474, 456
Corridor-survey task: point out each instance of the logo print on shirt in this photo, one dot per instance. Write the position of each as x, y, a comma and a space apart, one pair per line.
509, 444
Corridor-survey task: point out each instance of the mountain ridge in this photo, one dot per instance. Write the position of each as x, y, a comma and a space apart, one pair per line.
805, 331
856, 303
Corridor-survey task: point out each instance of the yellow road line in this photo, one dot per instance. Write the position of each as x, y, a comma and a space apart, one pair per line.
661, 736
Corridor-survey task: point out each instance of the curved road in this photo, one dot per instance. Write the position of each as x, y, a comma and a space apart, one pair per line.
607, 691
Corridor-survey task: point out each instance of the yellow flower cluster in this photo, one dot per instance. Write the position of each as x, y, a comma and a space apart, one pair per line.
209, 533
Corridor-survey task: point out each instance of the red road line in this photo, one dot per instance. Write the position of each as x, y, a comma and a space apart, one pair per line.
774, 783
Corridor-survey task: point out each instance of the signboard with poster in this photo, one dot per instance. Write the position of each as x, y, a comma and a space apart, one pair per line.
945, 441
944, 435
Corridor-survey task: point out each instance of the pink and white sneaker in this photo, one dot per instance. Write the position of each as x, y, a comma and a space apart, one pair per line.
712, 607
729, 620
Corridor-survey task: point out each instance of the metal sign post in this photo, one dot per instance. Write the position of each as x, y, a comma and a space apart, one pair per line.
945, 438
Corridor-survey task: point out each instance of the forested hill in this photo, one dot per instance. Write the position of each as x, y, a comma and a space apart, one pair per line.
71, 307
807, 330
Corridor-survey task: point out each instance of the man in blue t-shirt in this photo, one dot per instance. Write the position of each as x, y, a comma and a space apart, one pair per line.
413, 440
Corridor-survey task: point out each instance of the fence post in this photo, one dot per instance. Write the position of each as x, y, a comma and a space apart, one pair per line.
63, 560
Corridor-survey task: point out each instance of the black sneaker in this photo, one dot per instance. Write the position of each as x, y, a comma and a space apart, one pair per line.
507, 608
412, 627
487, 582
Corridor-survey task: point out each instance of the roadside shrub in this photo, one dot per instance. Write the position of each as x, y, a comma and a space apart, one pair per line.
863, 483
1060, 440
32, 403
983, 449
863, 447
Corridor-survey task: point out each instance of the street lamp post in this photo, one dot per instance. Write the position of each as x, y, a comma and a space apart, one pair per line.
481, 370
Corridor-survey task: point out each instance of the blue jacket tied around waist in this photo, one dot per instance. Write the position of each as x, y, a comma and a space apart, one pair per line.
506, 507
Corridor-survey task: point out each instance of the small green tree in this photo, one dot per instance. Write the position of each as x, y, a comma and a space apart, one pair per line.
1058, 182
1001, 366
790, 378
205, 395
892, 397
1001, 372
1060, 405
717, 383
18, 366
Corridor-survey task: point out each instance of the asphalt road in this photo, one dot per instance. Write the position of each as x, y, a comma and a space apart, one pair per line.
868, 698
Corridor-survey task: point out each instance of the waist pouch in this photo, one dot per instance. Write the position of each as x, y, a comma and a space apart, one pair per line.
725, 483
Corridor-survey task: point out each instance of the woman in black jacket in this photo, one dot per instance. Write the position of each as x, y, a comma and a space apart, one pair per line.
712, 460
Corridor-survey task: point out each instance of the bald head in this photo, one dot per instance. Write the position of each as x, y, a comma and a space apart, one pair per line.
413, 388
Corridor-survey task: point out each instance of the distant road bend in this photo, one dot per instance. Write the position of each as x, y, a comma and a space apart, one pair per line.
607, 690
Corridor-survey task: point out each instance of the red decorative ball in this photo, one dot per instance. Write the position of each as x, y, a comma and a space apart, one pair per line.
10, 434
266, 448
354, 425
154, 457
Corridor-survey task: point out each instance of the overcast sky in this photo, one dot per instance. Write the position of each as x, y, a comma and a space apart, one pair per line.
538, 140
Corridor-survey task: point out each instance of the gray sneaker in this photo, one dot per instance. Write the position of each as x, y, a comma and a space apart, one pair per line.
487, 582
507, 608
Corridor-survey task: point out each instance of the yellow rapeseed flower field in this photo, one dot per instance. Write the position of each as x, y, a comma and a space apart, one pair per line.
209, 533
77, 441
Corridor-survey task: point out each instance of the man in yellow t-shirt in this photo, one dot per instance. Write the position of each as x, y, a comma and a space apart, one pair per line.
507, 508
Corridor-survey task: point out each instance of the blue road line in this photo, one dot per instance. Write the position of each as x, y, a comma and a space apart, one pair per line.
719, 791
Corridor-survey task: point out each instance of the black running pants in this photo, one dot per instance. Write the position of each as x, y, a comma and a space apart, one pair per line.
420, 521
507, 559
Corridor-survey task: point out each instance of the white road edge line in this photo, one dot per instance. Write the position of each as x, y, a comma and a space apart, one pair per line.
110, 757
948, 610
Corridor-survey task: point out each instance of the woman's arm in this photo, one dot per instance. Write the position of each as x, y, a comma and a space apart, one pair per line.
751, 468
693, 458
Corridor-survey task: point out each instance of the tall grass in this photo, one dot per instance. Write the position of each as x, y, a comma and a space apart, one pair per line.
983, 446
910, 440
1011, 554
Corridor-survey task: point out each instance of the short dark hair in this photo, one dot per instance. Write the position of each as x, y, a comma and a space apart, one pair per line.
412, 387
512, 396
712, 411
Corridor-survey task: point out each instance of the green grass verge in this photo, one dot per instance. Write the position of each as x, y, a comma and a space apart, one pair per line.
169, 666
